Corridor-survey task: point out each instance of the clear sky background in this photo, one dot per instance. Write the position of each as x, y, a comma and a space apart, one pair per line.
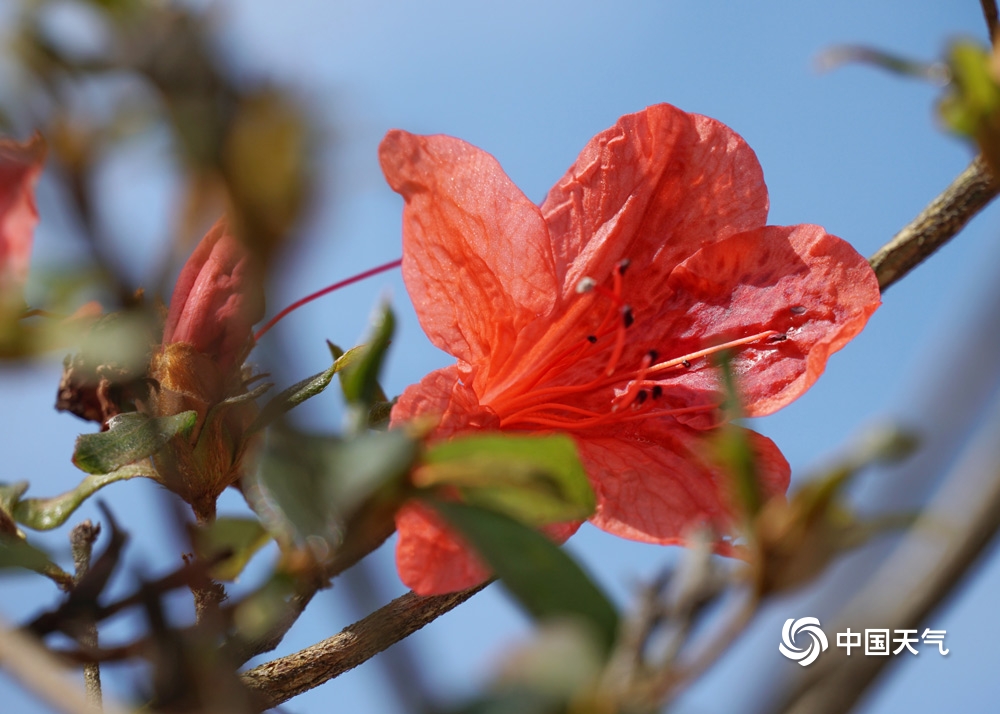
857, 151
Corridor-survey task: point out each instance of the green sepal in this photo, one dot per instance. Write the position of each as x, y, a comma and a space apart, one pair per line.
546, 581
129, 438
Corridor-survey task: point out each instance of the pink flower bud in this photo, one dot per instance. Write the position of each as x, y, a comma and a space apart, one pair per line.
217, 299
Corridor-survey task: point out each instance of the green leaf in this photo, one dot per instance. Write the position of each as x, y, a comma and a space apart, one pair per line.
129, 438
259, 612
974, 96
43, 514
10, 494
535, 479
307, 388
18, 553
732, 448
235, 539
543, 578
307, 487
359, 378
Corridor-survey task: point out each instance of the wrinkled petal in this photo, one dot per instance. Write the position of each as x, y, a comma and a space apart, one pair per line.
657, 483
809, 286
20, 167
217, 299
476, 255
433, 560
653, 188
430, 558
441, 395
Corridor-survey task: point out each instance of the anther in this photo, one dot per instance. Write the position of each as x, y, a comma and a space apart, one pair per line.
653, 356
585, 285
797, 310
592, 339
686, 363
623, 266
779, 338
627, 316
657, 391
641, 396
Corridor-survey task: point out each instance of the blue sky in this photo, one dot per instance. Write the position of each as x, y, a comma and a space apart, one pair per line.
857, 151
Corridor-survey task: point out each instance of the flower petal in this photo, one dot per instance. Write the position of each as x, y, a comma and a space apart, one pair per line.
430, 558
798, 280
217, 299
654, 485
476, 256
20, 166
433, 560
653, 188
442, 395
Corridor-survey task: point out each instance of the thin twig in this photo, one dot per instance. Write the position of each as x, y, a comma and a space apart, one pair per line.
281, 679
992, 19
937, 224
82, 539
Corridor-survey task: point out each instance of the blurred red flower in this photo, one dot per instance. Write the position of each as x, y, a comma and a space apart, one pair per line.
596, 315
20, 166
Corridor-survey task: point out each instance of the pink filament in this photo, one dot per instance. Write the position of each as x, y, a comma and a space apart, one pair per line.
328, 289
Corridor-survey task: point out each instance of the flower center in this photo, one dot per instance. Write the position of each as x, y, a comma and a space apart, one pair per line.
623, 392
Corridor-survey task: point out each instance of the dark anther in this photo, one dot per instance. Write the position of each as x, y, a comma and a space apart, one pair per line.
628, 316
623, 266
779, 338
592, 339
653, 355
686, 363
798, 310
641, 396
657, 391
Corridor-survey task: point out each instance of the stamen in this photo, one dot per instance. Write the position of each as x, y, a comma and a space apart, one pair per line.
320, 293
686, 359
537, 416
634, 390
657, 391
592, 339
616, 352
585, 285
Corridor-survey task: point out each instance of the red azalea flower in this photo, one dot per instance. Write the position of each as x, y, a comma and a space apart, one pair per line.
20, 166
552, 333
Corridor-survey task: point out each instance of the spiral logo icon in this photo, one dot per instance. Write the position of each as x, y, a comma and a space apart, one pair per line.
805, 656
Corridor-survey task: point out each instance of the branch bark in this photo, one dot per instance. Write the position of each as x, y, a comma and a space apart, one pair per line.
281, 679
943, 218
